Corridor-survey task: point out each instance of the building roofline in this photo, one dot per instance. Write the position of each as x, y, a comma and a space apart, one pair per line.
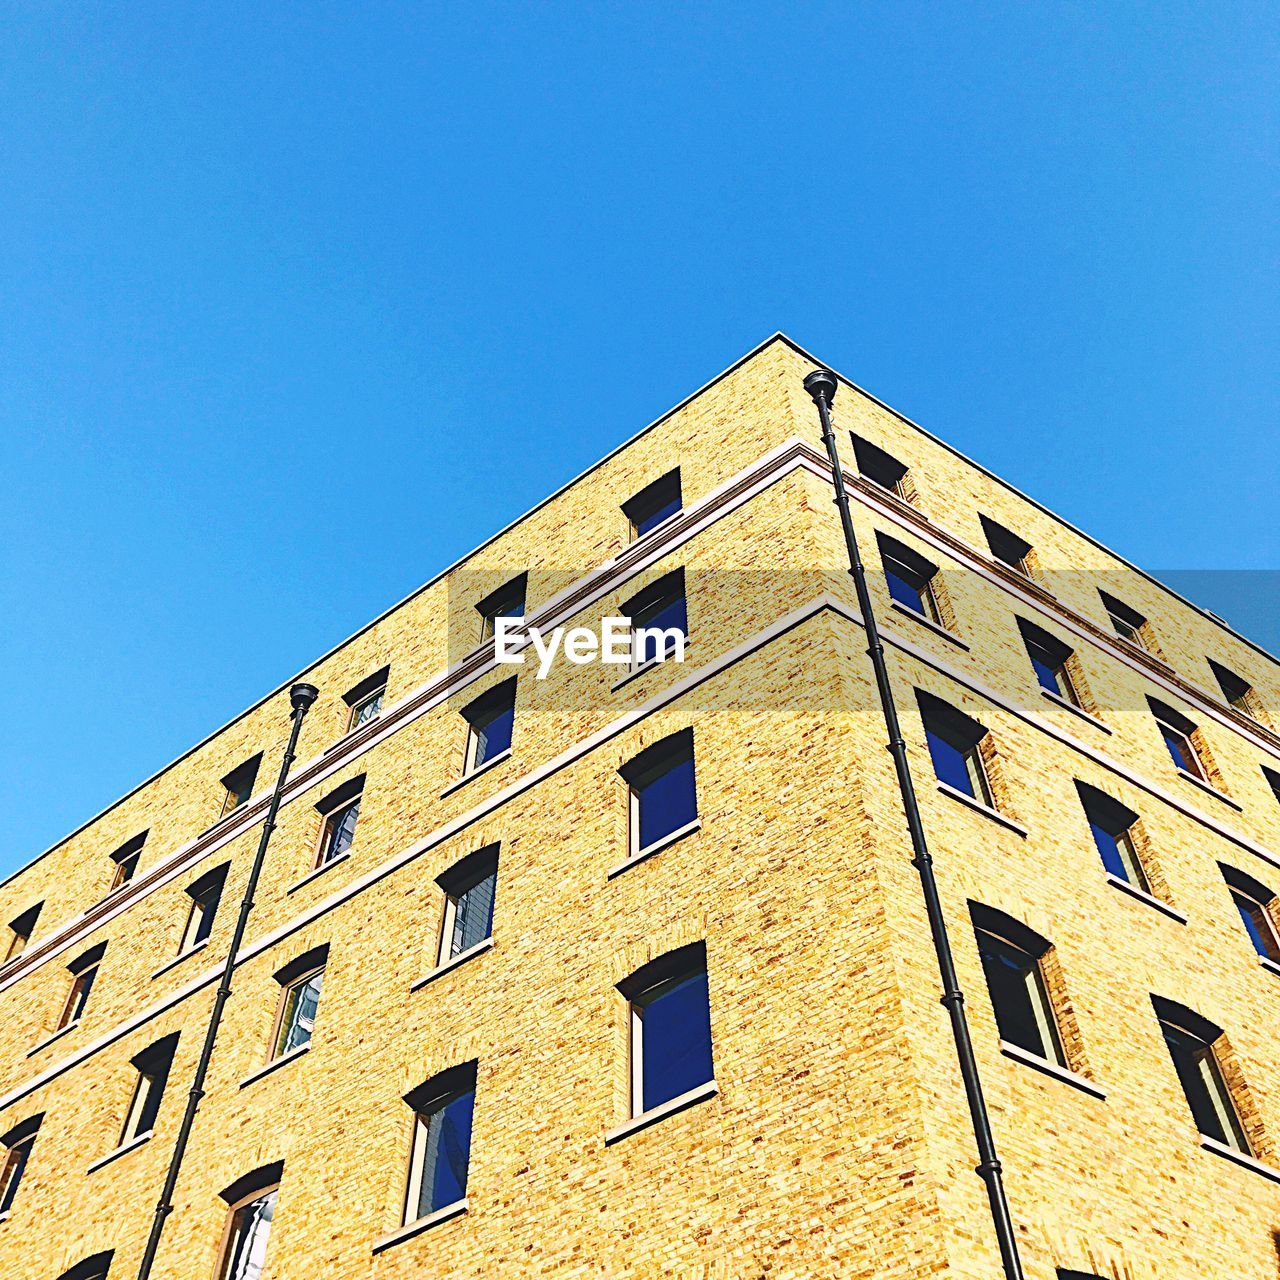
417, 591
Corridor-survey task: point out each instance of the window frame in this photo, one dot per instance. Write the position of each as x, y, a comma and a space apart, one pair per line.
455, 883
660, 594
17, 1145
876, 465
901, 563
1261, 928
152, 1066
205, 893
645, 768
963, 735
655, 497
1127, 622
333, 809
1178, 734
21, 927
1013, 936
372, 689
500, 699
126, 859
432, 1096
1007, 548
1045, 650
234, 798
234, 1208
496, 604
1118, 822
84, 974
297, 974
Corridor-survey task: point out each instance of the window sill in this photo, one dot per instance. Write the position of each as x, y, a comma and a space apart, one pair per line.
1149, 898
978, 807
916, 616
647, 535
652, 1116
1054, 1069
422, 1224
351, 733
672, 837
292, 1056
491, 763
1269, 964
316, 872
180, 957
1059, 701
1239, 1157
123, 1150
57, 1035
648, 665
1205, 786
449, 965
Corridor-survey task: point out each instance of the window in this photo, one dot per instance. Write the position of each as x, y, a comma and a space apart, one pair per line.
659, 619
83, 972
1129, 624
20, 930
654, 504
670, 1027
17, 1144
1237, 692
125, 859
954, 741
508, 601
1178, 734
1273, 781
1077, 1275
152, 1066
1114, 832
1006, 546
1256, 904
1051, 660
1191, 1040
253, 1205
339, 812
663, 788
490, 717
238, 784
469, 889
296, 1020
98, 1267
364, 702
880, 468
442, 1108
1011, 962
205, 894
911, 579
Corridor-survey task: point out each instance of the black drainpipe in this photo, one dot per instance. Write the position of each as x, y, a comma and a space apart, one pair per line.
301, 696
821, 386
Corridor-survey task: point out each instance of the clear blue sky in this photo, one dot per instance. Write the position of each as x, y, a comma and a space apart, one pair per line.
302, 302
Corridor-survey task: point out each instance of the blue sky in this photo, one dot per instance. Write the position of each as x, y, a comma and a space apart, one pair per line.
302, 302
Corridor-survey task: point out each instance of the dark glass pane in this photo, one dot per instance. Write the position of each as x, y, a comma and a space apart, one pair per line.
341, 831
1046, 672
655, 515
1010, 971
493, 732
473, 915
14, 1164
446, 1153
903, 592
206, 908
676, 1044
1179, 750
949, 763
1189, 1054
667, 800
666, 615
247, 1247
1257, 925
299, 1017
1109, 849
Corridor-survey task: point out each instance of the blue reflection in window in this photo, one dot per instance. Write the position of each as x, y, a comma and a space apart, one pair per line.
666, 798
444, 1140
675, 1039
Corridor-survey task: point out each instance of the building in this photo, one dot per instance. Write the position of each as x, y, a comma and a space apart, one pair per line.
628, 972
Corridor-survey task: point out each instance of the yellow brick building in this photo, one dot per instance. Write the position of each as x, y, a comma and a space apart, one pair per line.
471, 975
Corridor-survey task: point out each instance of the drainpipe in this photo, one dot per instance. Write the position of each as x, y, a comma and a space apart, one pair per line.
821, 386
301, 696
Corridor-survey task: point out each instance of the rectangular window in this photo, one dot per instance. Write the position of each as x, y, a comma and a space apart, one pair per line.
20, 930
125, 859
659, 619
1177, 731
879, 467
298, 1012
1190, 1042
339, 832
1049, 660
1011, 965
654, 504
1237, 692
443, 1112
83, 973
954, 740
1113, 827
364, 701
910, 578
670, 1017
238, 784
470, 890
205, 894
16, 1144
1129, 624
246, 1251
1273, 781
490, 719
508, 601
152, 1066
1254, 901
1006, 546
664, 794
